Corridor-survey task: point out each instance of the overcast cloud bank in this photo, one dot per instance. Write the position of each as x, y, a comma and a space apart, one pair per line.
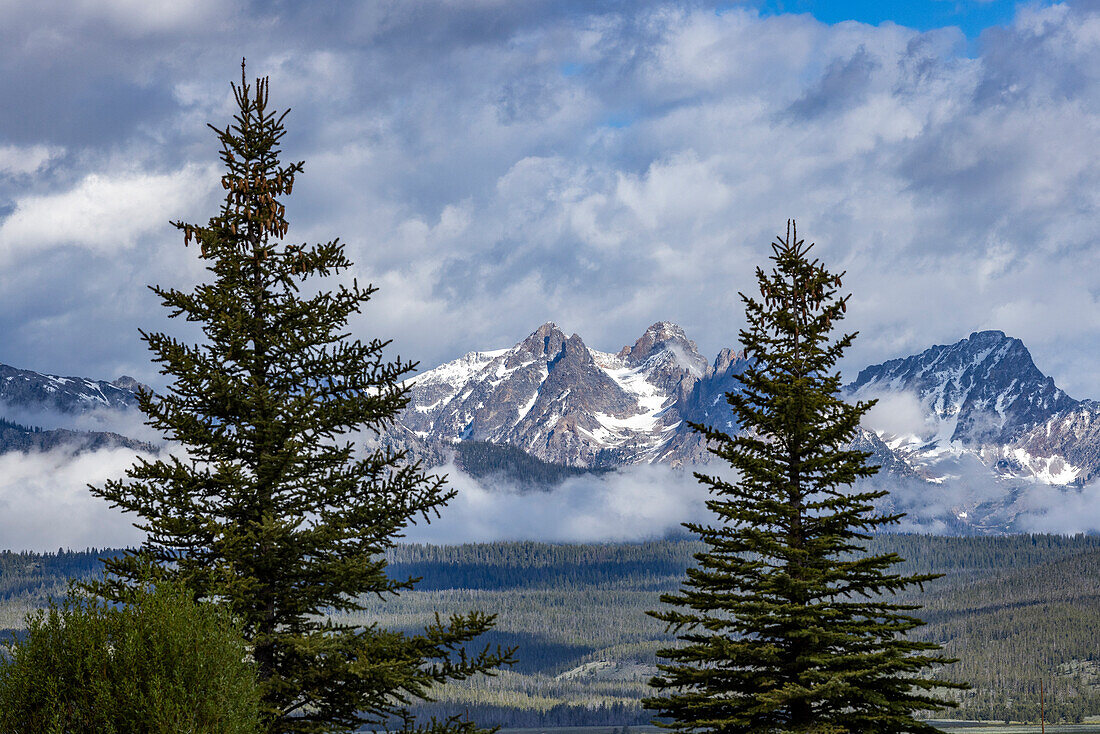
45, 504
494, 166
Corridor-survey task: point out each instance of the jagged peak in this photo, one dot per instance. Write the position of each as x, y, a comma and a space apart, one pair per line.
573, 351
989, 335
547, 329
980, 344
991, 338
666, 330
544, 342
660, 337
125, 382
727, 357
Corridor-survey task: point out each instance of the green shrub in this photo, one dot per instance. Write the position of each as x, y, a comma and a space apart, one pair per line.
162, 663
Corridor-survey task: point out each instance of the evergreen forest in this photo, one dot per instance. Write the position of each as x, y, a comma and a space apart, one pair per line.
1018, 611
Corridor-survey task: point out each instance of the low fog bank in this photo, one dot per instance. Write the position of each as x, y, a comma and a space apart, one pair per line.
1062, 510
129, 423
45, 503
652, 501
636, 503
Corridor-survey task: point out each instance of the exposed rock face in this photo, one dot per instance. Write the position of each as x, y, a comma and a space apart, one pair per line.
984, 396
881, 455
1063, 449
562, 402
26, 389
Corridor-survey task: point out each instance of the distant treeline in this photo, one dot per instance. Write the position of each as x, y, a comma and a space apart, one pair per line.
558, 715
528, 564
1016, 610
13, 426
28, 573
482, 459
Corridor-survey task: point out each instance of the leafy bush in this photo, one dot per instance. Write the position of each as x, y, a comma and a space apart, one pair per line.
162, 663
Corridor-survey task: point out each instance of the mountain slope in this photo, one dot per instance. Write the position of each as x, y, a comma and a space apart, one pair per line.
984, 397
986, 425
560, 401
16, 437
26, 393
40, 392
981, 390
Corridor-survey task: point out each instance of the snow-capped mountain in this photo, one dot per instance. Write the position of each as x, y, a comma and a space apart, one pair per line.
558, 400
981, 401
984, 397
27, 395
964, 430
963, 433
39, 392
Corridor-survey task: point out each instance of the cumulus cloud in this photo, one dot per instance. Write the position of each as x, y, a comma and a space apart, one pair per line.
104, 214
18, 160
897, 413
1062, 509
493, 166
45, 503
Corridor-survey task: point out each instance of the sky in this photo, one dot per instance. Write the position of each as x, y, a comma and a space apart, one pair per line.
493, 165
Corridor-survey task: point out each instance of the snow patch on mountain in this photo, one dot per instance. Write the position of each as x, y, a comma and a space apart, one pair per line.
562, 401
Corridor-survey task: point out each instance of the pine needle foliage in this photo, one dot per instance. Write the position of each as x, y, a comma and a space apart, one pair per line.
277, 508
785, 624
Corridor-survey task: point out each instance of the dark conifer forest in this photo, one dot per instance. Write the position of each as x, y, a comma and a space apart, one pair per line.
1014, 609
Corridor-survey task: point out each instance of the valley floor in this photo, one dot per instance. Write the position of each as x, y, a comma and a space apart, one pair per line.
1018, 611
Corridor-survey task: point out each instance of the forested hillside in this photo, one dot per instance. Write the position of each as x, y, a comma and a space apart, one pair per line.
27, 579
1015, 610
484, 459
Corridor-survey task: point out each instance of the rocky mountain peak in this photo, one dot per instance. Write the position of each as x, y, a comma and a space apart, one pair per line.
665, 336
544, 343
726, 358
985, 388
129, 383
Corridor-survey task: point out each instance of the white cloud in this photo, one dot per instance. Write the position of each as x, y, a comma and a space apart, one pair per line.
132, 18
1062, 510
896, 413
25, 160
45, 503
604, 168
150, 16
106, 214
645, 501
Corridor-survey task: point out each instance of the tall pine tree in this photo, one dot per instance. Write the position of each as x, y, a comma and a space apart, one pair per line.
275, 507
785, 624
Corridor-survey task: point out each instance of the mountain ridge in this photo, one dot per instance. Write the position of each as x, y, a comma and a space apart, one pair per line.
557, 399
981, 397
981, 414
